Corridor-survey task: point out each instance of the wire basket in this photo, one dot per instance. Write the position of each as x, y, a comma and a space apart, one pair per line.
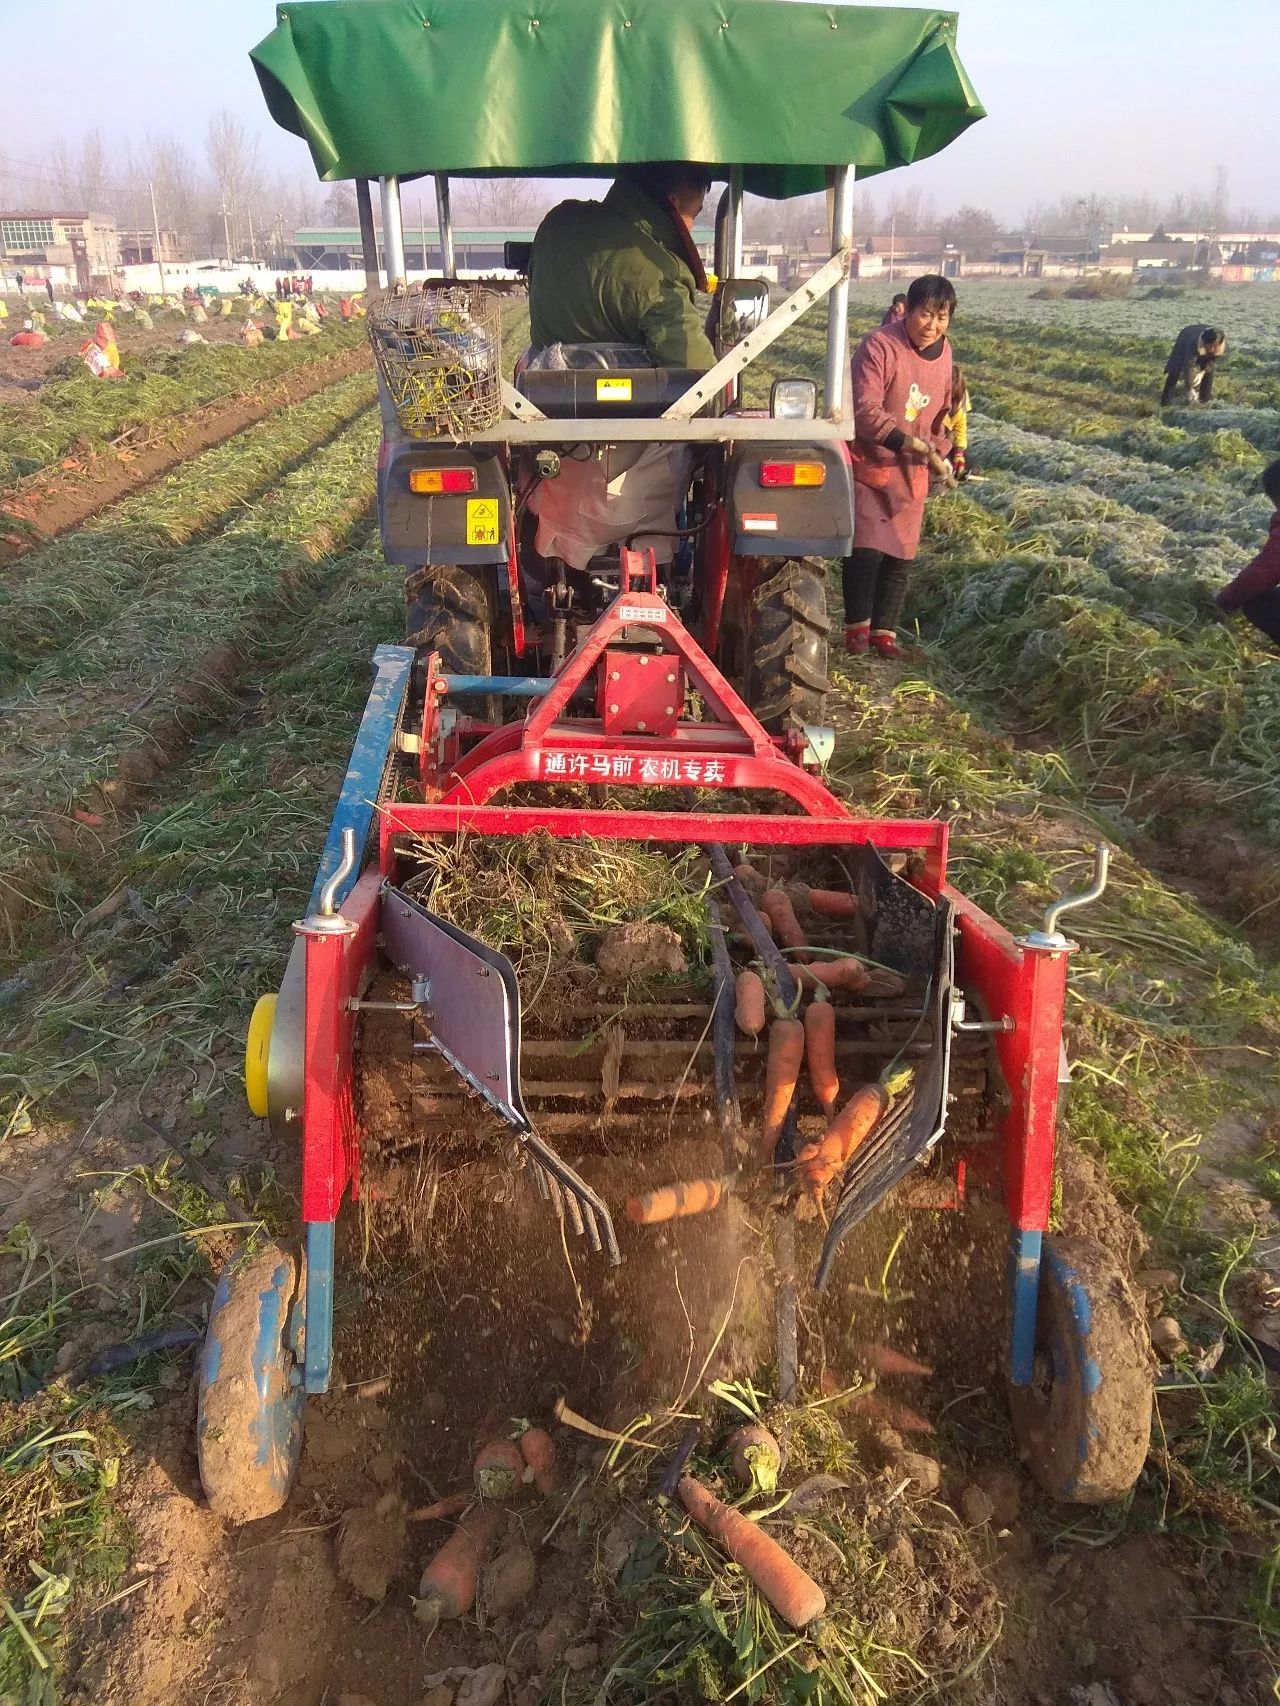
439, 352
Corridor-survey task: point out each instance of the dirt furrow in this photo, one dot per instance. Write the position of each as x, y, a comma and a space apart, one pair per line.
47, 505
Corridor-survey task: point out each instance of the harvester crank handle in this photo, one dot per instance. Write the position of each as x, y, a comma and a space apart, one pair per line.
347, 864
1049, 936
761, 940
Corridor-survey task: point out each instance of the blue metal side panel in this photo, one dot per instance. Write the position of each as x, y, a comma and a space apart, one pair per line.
393, 666
319, 1358
1025, 1249
514, 686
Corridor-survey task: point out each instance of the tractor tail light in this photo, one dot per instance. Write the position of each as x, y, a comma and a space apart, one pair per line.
793, 474
442, 480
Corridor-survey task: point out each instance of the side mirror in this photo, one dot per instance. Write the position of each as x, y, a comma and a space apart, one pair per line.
742, 304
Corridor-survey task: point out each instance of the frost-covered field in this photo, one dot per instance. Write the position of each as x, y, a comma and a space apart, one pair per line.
1249, 313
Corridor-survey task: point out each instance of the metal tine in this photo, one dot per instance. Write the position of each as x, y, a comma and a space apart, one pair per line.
542, 1177
593, 1229
575, 1211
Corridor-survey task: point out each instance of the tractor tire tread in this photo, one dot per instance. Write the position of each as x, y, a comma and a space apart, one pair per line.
787, 670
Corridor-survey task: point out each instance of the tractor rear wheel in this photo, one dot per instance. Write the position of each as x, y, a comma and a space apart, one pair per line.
449, 610
786, 672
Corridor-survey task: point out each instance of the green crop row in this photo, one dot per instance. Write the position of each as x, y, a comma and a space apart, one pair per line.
86, 575
74, 411
115, 706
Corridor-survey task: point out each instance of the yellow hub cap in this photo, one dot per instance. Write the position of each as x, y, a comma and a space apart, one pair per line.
256, 1049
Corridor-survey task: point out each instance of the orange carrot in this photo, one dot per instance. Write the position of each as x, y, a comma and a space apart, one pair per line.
792, 1593
672, 1202
852, 1125
777, 907
499, 1469
897, 1415
749, 1009
831, 974
448, 1586
885, 1360
884, 983
539, 1451
833, 903
453, 1505
820, 1051
786, 1053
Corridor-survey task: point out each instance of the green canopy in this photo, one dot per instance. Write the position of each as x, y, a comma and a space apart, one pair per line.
571, 88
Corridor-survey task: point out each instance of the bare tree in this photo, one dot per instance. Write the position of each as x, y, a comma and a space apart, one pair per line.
233, 163
970, 229
501, 202
340, 206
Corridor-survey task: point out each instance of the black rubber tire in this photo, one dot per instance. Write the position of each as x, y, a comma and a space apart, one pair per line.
1084, 1425
786, 677
450, 610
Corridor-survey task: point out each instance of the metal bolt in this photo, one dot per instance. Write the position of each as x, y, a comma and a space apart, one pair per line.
613, 710
615, 675
671, 680
640, 726
644, 663
671, 710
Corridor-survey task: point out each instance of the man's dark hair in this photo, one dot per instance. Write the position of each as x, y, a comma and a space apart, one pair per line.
1211, 337
1271, 481
931, 291
900, 297
662, 179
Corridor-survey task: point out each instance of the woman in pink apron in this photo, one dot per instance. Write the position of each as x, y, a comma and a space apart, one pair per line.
901, 397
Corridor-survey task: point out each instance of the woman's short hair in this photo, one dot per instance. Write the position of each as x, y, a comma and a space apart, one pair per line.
931, 291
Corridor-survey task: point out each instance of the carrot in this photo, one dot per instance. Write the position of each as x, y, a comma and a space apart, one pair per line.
672, 1202
748, 1011
777, 907
453, 1505
539, 1451
897, 1415
884, 983
852, 1125
499, 1469
756, 1457
448, 1585
885, 1360
792, 1593
833, 903
786, 1052
831, 974
820, 1051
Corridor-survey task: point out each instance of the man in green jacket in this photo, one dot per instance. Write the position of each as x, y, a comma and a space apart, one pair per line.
625, 270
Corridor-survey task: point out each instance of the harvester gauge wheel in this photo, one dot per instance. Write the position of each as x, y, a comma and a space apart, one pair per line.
249, 1417
1084, 1424
257, 1048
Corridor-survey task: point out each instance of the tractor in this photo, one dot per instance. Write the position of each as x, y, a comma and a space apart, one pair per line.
675, 705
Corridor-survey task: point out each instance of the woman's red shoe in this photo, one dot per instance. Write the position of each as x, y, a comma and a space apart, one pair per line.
857, 639
885, 641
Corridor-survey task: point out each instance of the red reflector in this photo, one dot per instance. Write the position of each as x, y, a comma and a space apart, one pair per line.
792, 474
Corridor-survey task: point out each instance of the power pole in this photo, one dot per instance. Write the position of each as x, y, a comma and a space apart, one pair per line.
893, 242
253, 253
226, 232
155, 229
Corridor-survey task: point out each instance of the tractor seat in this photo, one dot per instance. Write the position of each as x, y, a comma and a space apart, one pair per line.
592, 381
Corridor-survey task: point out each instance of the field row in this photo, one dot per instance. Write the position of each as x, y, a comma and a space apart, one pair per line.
74, 412
108, 712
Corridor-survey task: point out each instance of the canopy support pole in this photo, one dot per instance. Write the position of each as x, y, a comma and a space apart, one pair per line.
392, 231
735, 222
368, 237
837, 375
444, 220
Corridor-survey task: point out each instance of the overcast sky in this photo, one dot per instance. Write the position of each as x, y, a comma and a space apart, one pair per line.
1109, 95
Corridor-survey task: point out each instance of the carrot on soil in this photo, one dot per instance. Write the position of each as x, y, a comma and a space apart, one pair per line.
756, 1457
833, 903
782, 1074
499, 1469
776, 906
791, 1591
673, 1202
852, 1125
820, 1051
448, 1586
453, 1505
539, 1451
831, 974
748, 1009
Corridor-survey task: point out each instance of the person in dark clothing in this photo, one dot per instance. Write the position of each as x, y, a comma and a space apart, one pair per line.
896, 310
1191, 362
1255, 592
